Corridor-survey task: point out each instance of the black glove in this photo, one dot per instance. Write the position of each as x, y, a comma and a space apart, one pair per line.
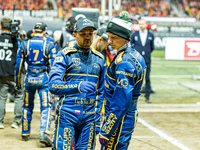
103, 141
18, 88
87, 87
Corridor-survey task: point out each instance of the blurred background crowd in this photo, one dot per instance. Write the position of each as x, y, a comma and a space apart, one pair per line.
159, 8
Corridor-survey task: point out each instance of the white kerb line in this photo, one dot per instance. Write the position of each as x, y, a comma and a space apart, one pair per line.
163, 135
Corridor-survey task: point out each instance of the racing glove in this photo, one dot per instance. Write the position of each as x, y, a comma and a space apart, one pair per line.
103, 141
87, 87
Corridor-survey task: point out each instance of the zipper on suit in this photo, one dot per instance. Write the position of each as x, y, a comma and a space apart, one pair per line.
85, 93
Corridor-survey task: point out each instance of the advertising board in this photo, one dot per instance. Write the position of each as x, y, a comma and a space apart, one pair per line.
182, 49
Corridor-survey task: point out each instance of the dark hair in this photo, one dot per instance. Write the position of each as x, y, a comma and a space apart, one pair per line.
30, 34
70, 22
6, 23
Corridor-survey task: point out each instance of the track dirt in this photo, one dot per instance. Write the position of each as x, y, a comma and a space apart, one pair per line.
182, 126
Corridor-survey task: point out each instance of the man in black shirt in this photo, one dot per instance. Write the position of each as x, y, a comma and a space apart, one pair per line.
8, 52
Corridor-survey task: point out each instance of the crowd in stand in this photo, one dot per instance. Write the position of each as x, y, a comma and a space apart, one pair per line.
25, 4
65, 6
134, 7
190, 8
158, 8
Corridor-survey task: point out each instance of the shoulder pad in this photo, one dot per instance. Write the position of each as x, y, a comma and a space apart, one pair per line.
119, 58
68, 50
97, 53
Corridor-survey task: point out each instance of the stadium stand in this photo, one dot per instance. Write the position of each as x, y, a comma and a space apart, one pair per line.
135, 7
158, 8
26, 4
64, 7
189, 8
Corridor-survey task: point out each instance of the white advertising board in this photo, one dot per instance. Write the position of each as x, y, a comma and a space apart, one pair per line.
182, 48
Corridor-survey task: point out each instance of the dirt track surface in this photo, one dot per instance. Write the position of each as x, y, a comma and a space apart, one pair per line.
182, 126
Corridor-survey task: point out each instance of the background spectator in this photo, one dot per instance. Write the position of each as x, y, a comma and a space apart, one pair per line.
143, 42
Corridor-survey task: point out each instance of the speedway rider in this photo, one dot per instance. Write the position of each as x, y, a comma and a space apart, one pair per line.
123, 83
39, 54
78, 77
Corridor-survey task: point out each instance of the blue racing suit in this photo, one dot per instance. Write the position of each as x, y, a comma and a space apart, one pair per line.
123, 83
53, 98
76, 110
50, 39
38, 53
